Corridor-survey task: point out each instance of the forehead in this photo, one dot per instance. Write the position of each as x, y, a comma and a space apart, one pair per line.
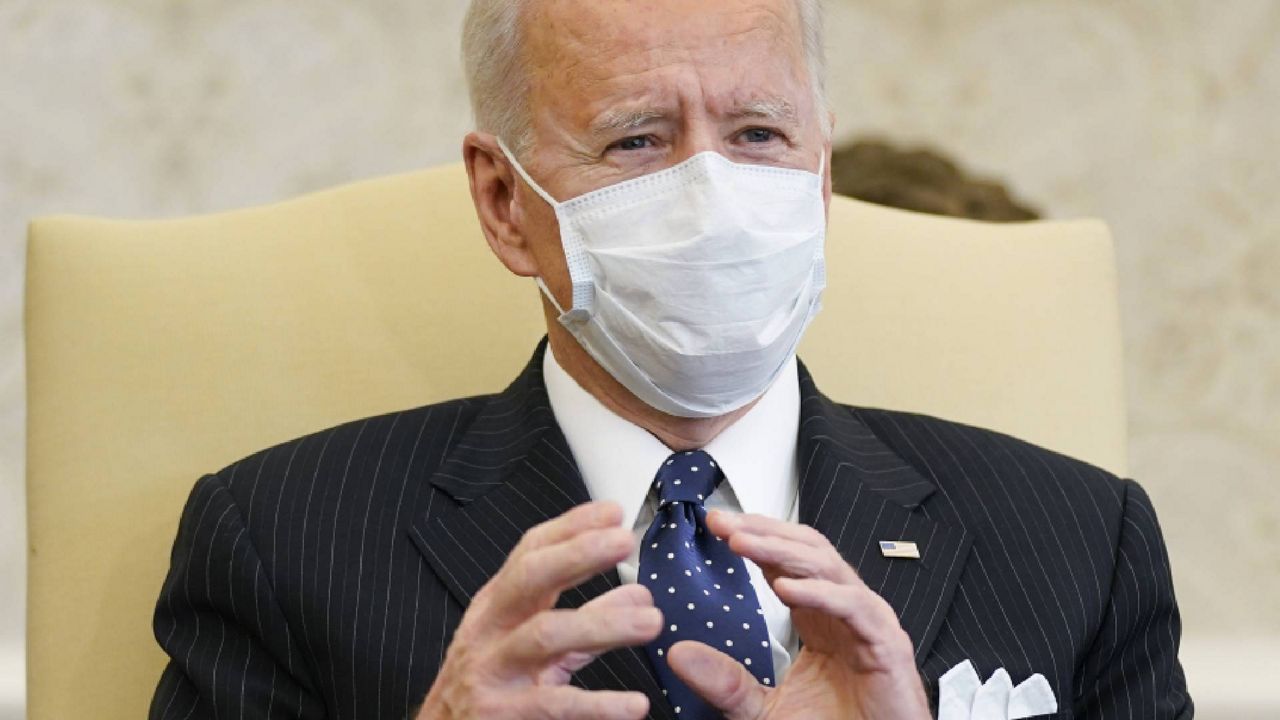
585, 56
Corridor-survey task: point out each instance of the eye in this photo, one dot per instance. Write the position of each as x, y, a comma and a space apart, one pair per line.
759, 136
635, 142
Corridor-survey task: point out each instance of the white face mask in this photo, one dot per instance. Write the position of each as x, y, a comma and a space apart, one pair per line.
693, 285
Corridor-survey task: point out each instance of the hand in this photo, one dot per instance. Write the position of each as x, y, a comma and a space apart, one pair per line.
513, 653
857, 661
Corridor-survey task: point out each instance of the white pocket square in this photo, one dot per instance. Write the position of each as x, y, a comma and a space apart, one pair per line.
962, 696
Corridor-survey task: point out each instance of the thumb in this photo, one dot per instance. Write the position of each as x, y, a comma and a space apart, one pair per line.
718, 678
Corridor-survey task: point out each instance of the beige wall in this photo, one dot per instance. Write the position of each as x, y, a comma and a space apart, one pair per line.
1157, 115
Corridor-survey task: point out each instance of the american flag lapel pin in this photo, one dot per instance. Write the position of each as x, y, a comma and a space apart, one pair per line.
899, 549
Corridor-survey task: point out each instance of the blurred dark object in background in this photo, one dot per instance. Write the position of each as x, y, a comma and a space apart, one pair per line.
920, 180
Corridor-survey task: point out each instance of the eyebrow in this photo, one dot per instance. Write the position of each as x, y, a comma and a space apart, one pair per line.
624, 120
616, 121
776, 109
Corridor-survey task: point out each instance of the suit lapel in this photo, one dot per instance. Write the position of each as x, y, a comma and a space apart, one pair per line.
511, 471
857, 491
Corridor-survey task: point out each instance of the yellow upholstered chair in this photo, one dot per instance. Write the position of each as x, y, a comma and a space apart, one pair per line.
161, 350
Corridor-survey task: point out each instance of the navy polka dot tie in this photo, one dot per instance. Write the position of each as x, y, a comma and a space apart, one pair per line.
701, 586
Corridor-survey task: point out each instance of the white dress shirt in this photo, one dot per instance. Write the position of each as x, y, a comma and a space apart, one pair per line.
618, 461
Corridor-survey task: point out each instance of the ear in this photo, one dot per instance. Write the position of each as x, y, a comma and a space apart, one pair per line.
493, 191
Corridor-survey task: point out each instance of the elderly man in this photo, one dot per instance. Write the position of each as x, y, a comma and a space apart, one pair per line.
662, 516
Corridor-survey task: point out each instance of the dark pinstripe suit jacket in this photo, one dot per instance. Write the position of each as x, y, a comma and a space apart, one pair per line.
323, 578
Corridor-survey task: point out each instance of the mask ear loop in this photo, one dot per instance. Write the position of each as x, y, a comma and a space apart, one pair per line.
511, 158
546, 291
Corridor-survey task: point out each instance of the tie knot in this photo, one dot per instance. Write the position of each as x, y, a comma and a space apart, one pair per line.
689, 476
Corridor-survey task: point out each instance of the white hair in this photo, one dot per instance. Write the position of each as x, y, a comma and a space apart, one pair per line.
498, 84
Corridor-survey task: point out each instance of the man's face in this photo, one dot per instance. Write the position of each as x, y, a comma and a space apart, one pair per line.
620, 88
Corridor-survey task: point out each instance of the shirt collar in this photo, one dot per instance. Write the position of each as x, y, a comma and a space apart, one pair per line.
618, 459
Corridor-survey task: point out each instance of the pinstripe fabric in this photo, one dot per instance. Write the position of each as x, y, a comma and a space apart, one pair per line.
323, 578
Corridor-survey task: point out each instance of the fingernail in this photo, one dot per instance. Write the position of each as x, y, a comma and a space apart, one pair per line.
647, 619
695, 664
606, 511
637, 704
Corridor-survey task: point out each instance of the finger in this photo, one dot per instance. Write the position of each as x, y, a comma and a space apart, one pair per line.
724, 524
629, 595
870, 619
580, 519
719, 679
571, 703
552, 634
531, 582
781, 557
623, 596
497, 605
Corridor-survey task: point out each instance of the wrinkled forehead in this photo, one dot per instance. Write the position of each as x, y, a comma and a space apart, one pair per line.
586, 56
